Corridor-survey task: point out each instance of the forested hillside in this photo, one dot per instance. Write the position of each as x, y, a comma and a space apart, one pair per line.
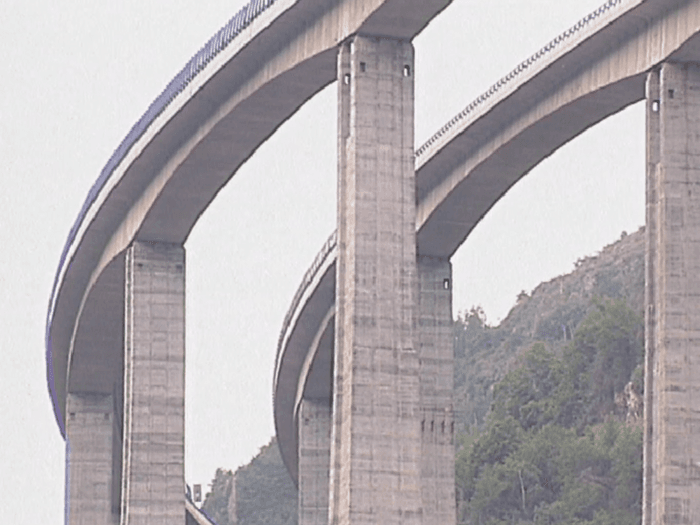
549, 314
562, 442
548, 407
260, 493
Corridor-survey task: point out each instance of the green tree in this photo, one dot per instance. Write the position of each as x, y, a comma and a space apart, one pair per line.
264, 492
551, 452
538, 392
608, 347
216, 500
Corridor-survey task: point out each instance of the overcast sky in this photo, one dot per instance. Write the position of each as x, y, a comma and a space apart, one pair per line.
75, 76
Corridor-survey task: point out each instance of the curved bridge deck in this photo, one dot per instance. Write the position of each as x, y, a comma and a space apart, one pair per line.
593, 70
246, 81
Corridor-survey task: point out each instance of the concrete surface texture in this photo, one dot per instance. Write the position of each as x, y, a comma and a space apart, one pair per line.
115, 329
314, 461
395, 372
164, 178
89, 460
436, 350
651, 413
673, 313
592, 71
375, 453
471, 163
153, 480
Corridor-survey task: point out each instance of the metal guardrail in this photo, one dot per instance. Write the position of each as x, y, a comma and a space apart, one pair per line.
198, 514
330, 244
216, 43
327, 249
523, 66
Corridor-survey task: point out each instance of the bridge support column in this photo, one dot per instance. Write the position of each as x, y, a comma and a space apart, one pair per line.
153, 484
672, 439
314, 461
436, 350
376, 417
89, 460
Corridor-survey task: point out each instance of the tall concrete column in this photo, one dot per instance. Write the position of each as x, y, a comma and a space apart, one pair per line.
153, 486
89, 459
436, 350
673, 295
376, 418
314, 461
653, 134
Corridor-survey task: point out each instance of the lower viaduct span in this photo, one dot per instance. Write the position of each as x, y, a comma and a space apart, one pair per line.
363, 377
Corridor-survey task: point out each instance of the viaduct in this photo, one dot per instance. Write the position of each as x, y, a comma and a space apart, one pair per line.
363, 377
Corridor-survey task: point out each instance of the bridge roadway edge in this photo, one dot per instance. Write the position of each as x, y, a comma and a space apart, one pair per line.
663, 36
644, 33
151, 193
134, 199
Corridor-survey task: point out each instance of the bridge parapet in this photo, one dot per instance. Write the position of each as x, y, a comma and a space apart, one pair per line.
557, 43
328, 251
591, 71
223, 38
235, 26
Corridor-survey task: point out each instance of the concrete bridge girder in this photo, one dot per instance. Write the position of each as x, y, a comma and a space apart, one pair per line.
153, 197
474, 162
158, 191
466, 169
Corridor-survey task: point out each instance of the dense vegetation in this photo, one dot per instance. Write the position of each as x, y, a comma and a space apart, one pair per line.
552, 450
547, 407
550, 314
216, 502
263, 493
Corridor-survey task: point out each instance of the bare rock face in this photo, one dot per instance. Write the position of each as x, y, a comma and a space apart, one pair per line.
630, 404
549, 314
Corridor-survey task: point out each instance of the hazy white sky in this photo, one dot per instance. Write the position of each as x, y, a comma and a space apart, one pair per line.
76, 75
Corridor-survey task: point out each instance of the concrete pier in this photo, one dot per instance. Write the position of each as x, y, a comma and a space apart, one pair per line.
89, 460
314, 461
436, 350
672, 465
651, 412
376, 419
153, 484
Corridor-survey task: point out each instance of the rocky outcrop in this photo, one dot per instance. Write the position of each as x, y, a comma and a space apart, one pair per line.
549, 314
